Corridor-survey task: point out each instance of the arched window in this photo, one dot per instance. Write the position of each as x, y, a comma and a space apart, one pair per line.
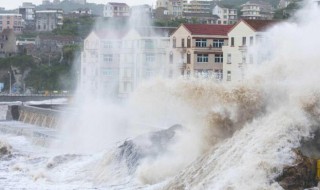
174, 42
189, 42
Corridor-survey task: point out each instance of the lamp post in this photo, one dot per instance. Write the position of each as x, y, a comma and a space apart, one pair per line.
9, 82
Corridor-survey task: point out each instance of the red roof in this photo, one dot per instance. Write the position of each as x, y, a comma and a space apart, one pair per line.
260, 25
208, 29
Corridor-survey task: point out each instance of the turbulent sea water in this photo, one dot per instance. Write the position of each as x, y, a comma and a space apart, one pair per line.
186, 134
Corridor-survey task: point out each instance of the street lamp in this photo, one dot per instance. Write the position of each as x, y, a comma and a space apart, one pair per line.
9, 82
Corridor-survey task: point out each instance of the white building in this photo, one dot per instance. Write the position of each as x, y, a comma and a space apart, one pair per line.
48, 20
113, 9
236, 57
115, 63
257, 10
226, 14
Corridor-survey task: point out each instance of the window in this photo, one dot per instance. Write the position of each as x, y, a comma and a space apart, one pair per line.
107, 72
201, 43
218, 58
244, 41
182, 43
171, 58
232, 41
149, 44
188, 58
107, 58
251, 40
244, 58
107, 45
229, 76
174, 41
229, 58
218, 43
8, 22
150, 57
218, 73
202, 58
189, 42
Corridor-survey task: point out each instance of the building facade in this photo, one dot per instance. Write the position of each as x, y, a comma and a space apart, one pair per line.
196, 50
11, 21
226, 14
48, 20
257, 10
237, 57
27, 10
8, 45
198, 6
116, 64
116, 10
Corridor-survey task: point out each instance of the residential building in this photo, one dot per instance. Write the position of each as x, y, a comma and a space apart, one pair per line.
196, 50
161, 13
11, 21
115, 63
113, 9
8, 43
236, 57
48, 20
257, 10
198, 6
100, 62
175, 7
144, 52
54, 43
27, 10
226, 14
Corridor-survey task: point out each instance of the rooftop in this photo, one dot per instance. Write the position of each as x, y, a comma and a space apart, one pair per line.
208, 29
117, 4
260, 25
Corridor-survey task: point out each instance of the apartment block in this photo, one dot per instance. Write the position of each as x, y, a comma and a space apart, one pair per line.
115, 63
27, 10
257, 10
196, 50
226, 14
48, 20
236, 55
113, 9
11, 21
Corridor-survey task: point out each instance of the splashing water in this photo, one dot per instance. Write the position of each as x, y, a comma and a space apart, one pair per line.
230, 136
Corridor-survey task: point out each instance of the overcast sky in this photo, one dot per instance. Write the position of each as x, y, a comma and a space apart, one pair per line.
12, 4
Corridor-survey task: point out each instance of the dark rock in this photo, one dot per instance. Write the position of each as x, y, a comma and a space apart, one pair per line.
301, 175
151, 145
